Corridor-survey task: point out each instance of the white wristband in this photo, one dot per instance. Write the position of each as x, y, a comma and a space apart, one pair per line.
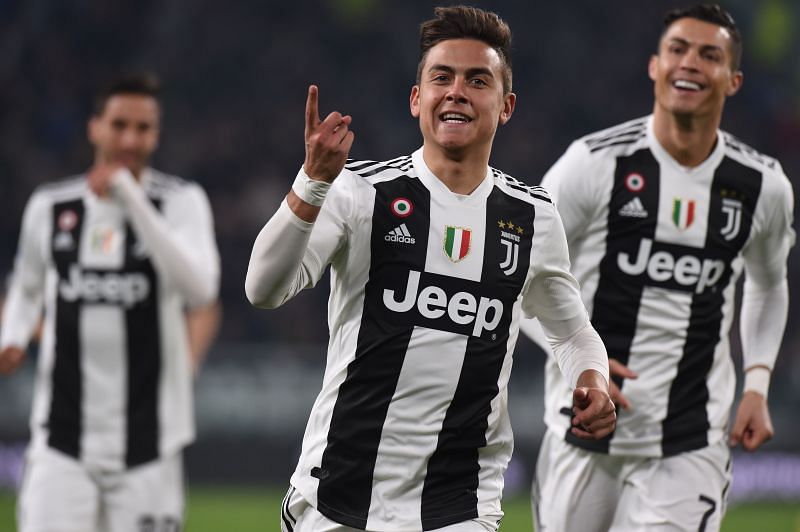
310, 190
757, 379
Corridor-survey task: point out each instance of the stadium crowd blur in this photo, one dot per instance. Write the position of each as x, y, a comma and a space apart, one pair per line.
235, 76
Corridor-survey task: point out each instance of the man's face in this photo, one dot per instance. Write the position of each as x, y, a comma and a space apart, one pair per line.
459, 100
692, 71
127, 131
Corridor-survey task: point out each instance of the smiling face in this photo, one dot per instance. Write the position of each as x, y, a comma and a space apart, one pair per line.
692, 71
126, 131
459, 100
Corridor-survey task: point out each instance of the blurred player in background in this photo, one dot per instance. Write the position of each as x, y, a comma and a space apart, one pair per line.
115, 256
434, 257
662, 214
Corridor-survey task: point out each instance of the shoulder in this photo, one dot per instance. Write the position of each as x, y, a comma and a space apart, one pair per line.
513, 187
377, 171
774, 179
160, 185
615, 140
748, 156
67, 189
174, 191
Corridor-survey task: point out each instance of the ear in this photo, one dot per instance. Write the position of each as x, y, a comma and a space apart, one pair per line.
413, 101
509, 101
737, 78
92, 130
652, 67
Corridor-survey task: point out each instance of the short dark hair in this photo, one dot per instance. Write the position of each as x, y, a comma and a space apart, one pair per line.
713, 14
465, 22
141, 83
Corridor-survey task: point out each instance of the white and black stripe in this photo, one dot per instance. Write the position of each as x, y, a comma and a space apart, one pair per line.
624, 134
65, 420
370, 168
346, 472
288, 521
686, 425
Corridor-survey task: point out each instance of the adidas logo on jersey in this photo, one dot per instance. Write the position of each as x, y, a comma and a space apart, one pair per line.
433, 303
126, 289
400, 234
633, 209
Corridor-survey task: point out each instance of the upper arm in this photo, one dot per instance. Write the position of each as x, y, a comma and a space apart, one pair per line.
572, 188
766, 253
332, 229
552, 294
188, 214
31, 263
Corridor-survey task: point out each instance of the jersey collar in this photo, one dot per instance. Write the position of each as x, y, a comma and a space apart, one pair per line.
440, 190
663, 156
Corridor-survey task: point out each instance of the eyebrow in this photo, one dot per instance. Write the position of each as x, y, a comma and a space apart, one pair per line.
474, 71
703, 47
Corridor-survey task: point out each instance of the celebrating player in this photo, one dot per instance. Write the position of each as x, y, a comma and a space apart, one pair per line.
662, 214
434, 257
116, 255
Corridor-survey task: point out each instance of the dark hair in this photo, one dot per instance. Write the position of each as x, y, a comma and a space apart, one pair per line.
713, 14
465, 22
140, 83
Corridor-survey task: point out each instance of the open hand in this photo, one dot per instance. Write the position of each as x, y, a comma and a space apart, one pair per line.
327, 142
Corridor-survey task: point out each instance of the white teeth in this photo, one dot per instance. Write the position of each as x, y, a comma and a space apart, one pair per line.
455, 117
685, 84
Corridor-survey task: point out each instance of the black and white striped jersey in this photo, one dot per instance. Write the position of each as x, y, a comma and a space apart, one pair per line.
410, 430
657, 249
113, 386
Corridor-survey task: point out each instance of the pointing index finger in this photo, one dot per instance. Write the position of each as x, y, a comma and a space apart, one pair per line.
312, 109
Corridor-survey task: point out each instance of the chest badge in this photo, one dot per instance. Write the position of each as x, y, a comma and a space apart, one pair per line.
509, 239
733, 211
456, 242
683, 213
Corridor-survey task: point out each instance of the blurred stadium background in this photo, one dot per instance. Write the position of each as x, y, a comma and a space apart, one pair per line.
235, 76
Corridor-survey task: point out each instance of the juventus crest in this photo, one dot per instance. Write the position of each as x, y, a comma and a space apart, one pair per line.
733, 211
509, 238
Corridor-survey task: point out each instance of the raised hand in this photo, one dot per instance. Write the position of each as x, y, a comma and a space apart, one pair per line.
99, 177
753, 425
595, 415
618, 369
327, 142
10, 359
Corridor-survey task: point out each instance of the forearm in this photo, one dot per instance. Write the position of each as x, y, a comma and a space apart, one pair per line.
762, 323
196, 278
21, 314
274, 273
581, 357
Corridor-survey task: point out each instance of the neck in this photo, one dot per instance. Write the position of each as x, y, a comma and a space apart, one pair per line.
461, 171
689, 139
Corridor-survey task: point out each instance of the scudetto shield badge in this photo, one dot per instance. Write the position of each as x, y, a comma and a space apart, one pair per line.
683, 213
456, 242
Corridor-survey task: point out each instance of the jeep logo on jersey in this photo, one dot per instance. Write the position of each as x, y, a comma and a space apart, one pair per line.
456, 242
432, 303
682, 213
733, 211
663, 267
126, 289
